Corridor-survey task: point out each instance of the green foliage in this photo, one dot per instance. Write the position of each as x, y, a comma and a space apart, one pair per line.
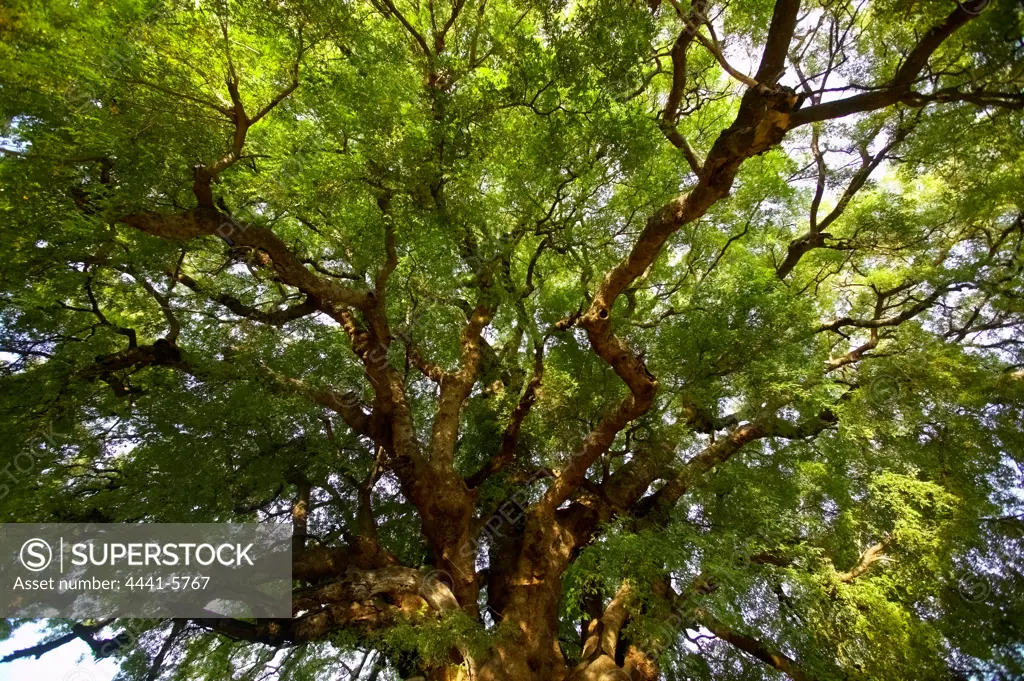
532, 148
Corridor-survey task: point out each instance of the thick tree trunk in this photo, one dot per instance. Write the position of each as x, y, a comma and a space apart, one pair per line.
525, 588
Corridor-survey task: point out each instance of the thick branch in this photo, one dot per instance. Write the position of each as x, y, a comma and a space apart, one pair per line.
753, 647
510, 437
85, 632
895, 320
290, 269
780, 34
273, 317
816, 236
908, 73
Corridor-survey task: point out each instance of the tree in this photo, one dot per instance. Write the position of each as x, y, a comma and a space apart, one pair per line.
578, 340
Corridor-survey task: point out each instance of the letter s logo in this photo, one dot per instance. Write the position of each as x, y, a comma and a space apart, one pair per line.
36, 555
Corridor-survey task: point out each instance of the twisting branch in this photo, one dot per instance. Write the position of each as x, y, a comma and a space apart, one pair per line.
236, 306
720, 451
753, 647
164, 301
242, 122
429, 369
712, 455
878, 322
901, 87
124, 331
510, 437
854, 355
85, 632
712, 46
670, 115
760, 124
331, 296
816, 237
410, 28
347, 404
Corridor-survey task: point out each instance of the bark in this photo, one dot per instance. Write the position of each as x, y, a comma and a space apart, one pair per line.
755, 648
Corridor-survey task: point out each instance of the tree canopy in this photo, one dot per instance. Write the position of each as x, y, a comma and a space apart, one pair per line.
579, 341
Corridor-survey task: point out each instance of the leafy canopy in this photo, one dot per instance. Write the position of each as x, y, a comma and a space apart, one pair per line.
371, 255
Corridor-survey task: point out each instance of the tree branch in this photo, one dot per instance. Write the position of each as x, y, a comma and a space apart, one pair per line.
753, 647
901, 87
870, 556
510, 437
